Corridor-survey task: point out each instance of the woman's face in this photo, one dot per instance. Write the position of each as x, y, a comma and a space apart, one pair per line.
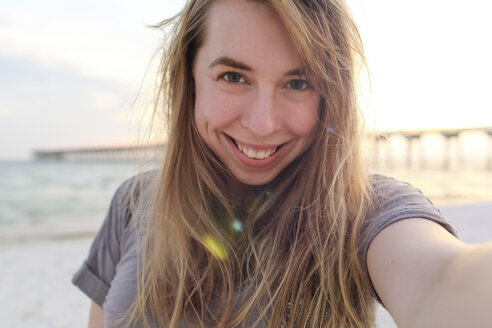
254, 106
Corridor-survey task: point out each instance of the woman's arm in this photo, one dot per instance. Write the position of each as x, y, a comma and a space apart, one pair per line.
428, 278
96, 316
463, 296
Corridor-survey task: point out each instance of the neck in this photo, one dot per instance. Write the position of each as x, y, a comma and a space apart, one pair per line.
241, 193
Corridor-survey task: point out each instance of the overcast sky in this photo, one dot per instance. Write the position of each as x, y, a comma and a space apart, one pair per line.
70, 70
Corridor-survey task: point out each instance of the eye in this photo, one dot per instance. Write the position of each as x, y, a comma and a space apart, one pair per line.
298, 84
233, 77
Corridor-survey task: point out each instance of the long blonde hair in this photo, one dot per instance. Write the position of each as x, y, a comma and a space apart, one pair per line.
296, 261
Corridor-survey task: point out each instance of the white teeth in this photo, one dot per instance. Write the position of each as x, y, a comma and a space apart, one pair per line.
251, 153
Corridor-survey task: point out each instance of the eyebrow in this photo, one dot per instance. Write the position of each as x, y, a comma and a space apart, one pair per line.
296, 72
227, 61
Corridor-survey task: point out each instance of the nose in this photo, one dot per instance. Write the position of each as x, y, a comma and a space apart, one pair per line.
262, 115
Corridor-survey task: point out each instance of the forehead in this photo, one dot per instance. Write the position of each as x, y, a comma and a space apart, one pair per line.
248, 30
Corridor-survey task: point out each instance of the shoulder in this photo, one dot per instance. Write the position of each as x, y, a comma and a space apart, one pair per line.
115, 240
127, 201
394, 200
131, 191
389, 189
134, 187
398, 204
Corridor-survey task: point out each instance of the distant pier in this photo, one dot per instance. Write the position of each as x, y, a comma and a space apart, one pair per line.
101, 154
413, 152
413, 140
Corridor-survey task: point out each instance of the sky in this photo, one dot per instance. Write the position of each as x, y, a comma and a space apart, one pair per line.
70, 71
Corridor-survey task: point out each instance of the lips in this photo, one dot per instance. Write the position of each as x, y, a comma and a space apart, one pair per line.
255, 152
257, 156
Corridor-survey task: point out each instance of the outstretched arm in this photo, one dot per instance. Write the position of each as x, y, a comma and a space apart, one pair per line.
428, 278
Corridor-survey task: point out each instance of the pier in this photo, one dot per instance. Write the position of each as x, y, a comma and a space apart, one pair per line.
412, 149
102, 154
415, 149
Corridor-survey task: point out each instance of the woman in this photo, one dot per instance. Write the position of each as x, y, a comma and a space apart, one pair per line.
263, 214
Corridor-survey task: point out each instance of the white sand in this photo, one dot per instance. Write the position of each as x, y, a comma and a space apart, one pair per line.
35, 288
35, 276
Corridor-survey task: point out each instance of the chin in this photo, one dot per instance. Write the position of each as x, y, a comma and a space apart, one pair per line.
255, 180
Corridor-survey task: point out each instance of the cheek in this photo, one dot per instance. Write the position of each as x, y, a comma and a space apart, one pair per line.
304, 118
215, 109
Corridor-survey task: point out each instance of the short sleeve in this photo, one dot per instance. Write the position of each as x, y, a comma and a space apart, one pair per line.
96, 273
394, 201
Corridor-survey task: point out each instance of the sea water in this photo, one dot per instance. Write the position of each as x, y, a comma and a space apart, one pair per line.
38, 193
34, 193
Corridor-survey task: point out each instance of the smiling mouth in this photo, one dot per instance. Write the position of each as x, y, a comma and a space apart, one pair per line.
254, 153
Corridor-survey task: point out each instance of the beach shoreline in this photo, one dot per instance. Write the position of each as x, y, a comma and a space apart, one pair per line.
22, 234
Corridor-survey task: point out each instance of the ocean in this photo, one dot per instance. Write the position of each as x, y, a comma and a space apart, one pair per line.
37, 193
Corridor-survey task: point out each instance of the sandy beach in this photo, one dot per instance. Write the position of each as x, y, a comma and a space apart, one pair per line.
37, 268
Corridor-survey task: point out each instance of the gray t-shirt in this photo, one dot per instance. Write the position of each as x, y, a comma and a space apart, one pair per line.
109, 274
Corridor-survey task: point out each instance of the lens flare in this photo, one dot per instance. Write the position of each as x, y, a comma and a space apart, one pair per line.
268, 192
215, 247
237, 225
